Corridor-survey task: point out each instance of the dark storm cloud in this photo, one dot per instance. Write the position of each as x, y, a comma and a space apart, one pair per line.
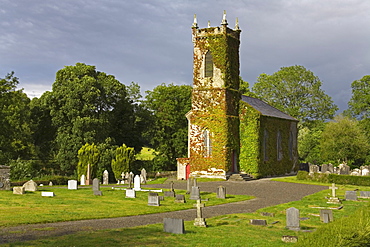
149, 42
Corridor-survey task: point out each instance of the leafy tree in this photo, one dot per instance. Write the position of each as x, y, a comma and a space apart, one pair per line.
168, 105
15, 132
88, 154
125, 156
343, 140
296, 91
88, 106
359, 104
244, 88
309, 144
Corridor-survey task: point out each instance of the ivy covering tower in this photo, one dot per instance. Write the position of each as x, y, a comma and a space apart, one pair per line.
230, 133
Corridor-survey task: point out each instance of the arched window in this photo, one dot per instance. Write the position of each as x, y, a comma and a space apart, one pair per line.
207, 143
279, 147
208, 65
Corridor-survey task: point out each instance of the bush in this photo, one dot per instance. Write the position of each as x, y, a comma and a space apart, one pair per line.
23, 169
302, 175
348, 179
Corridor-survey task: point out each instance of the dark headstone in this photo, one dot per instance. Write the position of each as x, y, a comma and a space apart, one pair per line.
169, 193
351, 195
173, 225
180, 198
304, 167
258, 222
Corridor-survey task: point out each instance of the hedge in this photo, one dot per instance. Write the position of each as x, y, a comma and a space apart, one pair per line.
334, 178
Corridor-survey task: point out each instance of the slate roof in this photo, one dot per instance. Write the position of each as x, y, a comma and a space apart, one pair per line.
265, 109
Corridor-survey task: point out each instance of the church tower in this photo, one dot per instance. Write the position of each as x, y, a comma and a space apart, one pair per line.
214, 144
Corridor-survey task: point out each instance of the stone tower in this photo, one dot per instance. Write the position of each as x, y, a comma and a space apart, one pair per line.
214, 144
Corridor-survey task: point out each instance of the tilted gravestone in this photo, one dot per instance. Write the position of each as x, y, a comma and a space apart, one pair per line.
96, 187
30, 186
351, 195
292, 219
324, 168
326, 215
180, 198
19, 190
221, 192
153, 199
72, 184
173, 225
195, 193
130, 193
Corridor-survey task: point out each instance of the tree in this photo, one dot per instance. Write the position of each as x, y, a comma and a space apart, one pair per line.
88, 154
309, 144
359, 104
296, 91
88, 106
343, 140
15, 132
125, 156
168, 105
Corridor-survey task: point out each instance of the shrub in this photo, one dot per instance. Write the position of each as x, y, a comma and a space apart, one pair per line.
302, 175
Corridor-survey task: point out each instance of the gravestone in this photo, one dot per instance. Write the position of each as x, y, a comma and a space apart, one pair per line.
50, 183
30, 186
351, 195
83, 179
195, 193
123, 178
221, 192
143, 176
267, 214
188, 186
153, 199
96, 187
199, 220
330, 168
344, 169
258, 222
195, 182
105, 177
313, 169
180, 199
324, 168
365, 194
137, 183
161, 198
130, 193
47, 193
326, 215
72, 184
88, 175
333, 199
170, 193
18, 190
4, 177
365, 172
173, 225
292, 219
130, 179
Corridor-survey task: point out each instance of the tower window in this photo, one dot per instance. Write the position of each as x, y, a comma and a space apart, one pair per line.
208, 65
207, 143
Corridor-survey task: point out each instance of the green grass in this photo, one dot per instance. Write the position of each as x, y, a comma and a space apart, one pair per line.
81, 204
231, 230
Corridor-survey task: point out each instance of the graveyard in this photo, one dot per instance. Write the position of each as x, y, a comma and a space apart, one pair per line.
302, 219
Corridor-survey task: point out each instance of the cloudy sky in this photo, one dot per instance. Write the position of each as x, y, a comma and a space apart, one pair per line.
149, 41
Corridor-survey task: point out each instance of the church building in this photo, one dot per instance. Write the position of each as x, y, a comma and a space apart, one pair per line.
230, 133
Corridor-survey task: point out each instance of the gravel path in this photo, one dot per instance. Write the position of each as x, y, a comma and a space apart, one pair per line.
267, 193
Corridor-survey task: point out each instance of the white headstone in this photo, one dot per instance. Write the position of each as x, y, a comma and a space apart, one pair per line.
47, 193
137, 183
72, 184
130, 193
83, 179
30, 186
105, 177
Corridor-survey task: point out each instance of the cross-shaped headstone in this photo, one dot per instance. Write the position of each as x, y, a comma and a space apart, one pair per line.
199, 207
333, 188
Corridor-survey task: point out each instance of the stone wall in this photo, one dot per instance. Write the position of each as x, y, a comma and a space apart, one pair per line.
4, 177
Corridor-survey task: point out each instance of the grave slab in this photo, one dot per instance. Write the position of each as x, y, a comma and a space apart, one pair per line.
173, 225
